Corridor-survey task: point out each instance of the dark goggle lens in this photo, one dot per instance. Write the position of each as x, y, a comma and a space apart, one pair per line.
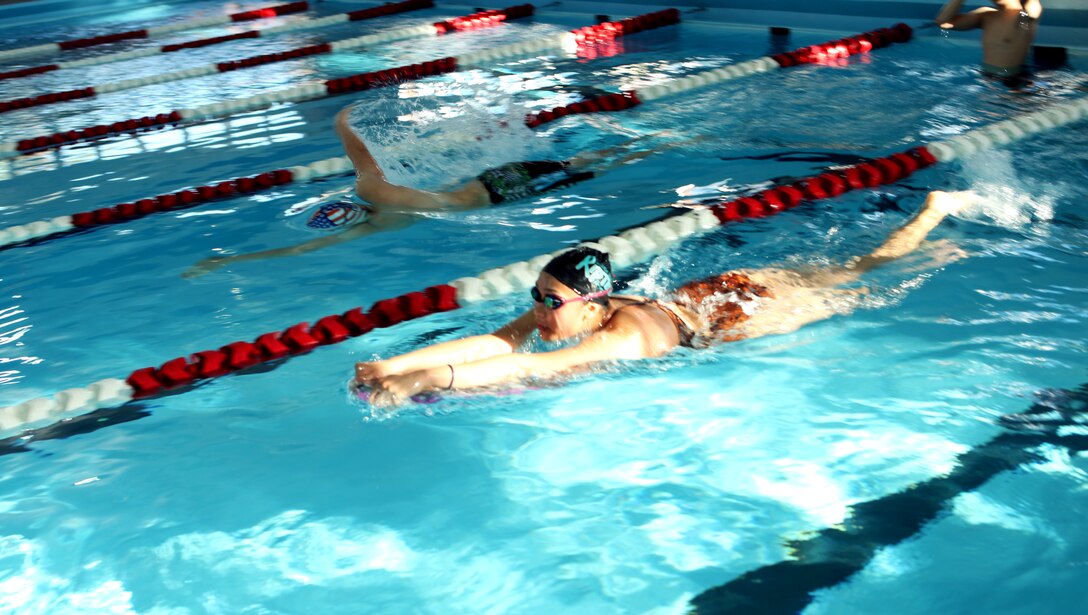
550, 301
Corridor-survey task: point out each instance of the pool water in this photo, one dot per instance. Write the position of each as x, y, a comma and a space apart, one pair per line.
632, 489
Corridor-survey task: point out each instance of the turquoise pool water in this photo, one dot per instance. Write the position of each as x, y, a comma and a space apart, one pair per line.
630, 490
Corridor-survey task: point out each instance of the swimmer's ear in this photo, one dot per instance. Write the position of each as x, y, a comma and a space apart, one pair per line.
594, 308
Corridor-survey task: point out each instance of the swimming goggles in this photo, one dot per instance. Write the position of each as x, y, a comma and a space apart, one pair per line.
553, 302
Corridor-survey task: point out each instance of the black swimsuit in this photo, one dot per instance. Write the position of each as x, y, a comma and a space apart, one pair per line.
519, 180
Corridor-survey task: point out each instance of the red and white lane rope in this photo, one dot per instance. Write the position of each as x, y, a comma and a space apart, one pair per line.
361, 14
265, 13
625, 249
568, 40
814, 54
486, 17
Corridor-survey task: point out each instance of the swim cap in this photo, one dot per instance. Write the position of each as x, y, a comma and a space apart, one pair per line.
584, 270
340, 213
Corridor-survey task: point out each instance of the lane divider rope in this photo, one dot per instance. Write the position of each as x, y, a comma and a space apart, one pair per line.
625, 249
157, 31
364, 81
813, 54
485, 17
361, 14
192, 197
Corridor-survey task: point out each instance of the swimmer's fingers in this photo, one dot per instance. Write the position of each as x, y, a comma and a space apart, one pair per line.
396, 390
368, 374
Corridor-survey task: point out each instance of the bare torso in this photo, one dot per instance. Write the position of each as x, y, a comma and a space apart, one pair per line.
1007, 35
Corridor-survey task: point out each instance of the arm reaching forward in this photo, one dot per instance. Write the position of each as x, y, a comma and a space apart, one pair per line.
620, 338
950, 17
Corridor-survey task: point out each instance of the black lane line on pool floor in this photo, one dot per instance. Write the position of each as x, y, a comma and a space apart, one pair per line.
833, 555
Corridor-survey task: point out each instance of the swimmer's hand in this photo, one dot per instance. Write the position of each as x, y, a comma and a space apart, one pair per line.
205, 266
368, 374
396, 390
950, 203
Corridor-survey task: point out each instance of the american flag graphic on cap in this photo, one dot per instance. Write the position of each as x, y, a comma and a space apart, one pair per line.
337, 214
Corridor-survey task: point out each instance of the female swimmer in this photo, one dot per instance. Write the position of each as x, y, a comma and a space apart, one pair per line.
387, 205
573, 298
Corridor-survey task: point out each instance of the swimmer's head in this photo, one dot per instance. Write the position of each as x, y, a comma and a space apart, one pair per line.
571, 293
336, 215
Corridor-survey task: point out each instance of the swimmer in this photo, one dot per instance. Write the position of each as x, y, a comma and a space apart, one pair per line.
387, 206
1008, 29
573, 300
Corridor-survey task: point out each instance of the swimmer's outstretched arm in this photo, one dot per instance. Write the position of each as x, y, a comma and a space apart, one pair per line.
457, 352
950, 17
621, 338
376, 224
371, 185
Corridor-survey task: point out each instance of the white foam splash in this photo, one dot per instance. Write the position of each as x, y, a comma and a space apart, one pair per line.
441, 148
286, 551
1003, 198
33, 589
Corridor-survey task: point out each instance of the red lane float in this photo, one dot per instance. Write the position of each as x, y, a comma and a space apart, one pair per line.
292, 341
390, 76
611, 30
207, 42
605, 102
814, 54
483, 19
182, 199
26, 72
272, 11
829, 184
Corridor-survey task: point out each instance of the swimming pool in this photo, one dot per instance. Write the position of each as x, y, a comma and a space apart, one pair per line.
633, 490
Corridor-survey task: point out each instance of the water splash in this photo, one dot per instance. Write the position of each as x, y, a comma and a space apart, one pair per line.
441, 146
1004, 199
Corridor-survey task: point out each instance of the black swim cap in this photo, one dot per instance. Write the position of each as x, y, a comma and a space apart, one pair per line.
584, 270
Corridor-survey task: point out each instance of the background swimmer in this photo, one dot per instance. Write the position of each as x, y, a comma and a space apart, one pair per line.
387, 206
1008, 29
572, 300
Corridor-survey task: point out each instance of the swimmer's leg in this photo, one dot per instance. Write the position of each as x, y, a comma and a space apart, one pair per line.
899, 243
629, 151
